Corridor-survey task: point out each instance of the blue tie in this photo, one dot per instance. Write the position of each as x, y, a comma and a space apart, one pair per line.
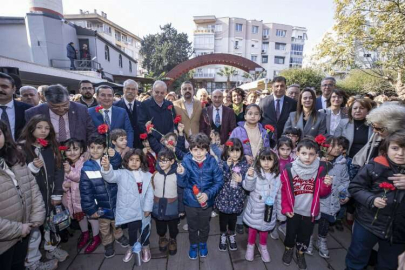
217, 119
107, 118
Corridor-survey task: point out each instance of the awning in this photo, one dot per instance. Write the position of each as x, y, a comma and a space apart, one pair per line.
255, 85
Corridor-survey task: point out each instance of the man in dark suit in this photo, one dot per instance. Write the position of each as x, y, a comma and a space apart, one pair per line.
276, 108
130, 104
218, 117
12, 111
327, 86
115, 117
69, 119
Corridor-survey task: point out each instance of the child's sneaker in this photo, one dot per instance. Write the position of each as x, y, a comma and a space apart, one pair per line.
264, 253
172, 246
163, 242
302, 264
193, 252
58, 254
250, 253
232, 242
323, 247
288, 256
222, 242
48, 265
93, 245
310, 248
146, 256
274, 234
123, 241
109, 251
202, 249
128, 255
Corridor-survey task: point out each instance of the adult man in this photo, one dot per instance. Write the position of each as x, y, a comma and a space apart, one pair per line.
218, 117
29, 95
71, 54
41, 91
86, 89
115, 117
12, 111
156, 109
293, 91
130, 104
327, 85
189, 109
276, 108
69, 119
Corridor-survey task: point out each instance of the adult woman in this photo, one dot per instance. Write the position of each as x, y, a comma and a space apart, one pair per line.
22, 207
336, 110
171, 96
202, 95
252, 97
227, 98
238, 95
307, 118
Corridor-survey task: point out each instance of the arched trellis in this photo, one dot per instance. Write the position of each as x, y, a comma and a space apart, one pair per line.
211, 59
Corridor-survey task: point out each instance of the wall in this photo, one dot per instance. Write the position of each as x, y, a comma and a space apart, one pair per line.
13, 42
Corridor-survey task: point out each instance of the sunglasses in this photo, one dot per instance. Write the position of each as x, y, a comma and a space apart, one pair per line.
378, 129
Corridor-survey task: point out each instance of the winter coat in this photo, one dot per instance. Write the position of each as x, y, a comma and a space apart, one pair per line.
71, 52
71, 197
96, 193
168, 196
240, 133
260, 189
230, 200
157, 146
208, 179
130, 204
287, 190
330, 204
16, 209
364, 188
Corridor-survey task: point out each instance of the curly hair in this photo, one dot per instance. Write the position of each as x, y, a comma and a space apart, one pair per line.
389, 115
239, 91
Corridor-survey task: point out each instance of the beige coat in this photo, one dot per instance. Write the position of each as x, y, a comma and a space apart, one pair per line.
191, 124
14, 210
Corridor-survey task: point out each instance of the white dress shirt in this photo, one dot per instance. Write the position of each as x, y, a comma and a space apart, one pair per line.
324, 105
334, 121
11, 116
133, 104
55, 123
109, 114
214, 113
189, 107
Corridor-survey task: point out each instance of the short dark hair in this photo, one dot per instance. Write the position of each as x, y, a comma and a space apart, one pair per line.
199, 140
166, 137
104, 86
7, 77
166, 153
56, 94
84, 81
344, 142
309, 144
97, 139
135, 152
279, 79
284, 141
253, 105
116, 133
293, 131
340, 93
397, 137
236, 146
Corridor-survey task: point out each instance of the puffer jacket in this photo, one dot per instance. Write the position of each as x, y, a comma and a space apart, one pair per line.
364, 188
260, 189
26, 206
71, 197
208, 179
240, 133
330, 204
130, 204
95, 193
180, 149
230, 200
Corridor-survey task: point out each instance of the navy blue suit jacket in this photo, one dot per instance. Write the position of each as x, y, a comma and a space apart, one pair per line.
318, 104
119, 119
133, 117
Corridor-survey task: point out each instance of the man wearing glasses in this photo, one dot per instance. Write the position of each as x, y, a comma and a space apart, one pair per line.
327, 86
86, 89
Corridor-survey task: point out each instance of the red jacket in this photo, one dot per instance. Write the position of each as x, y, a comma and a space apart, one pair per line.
287, 191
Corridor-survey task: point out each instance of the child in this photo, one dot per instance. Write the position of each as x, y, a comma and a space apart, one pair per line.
330, 205
215, 149
119, 140
71, 198
303, 182
229, 201
294, 134
379, 209
263, 182
96, 194
168, 200
150, 155
134, 198
200, 172
45, 163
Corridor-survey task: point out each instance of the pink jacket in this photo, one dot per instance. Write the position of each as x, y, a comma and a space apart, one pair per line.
287, 191
71, 196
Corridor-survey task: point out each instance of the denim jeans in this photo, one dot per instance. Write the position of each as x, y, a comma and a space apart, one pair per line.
361, 246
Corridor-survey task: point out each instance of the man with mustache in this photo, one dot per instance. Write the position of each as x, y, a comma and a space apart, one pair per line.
29, 95
86, 89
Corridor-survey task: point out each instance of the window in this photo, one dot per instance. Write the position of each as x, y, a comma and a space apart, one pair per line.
218, 28
281, 33
295, 62
118, 36
255, 29
279, 60
367, 55
297, 49
266, 32
238, 27
253, 58
265, 59
130, 66
120, 61
204, 41
265, 47
107, 53
280, 46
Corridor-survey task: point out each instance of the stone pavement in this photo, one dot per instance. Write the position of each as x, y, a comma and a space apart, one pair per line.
338, 243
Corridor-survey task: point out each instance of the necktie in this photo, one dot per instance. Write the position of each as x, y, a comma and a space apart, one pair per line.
130, 107
107, 117
62, 129
4, 116
278, 111
217, 119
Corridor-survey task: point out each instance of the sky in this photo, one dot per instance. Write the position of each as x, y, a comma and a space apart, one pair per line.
143, 17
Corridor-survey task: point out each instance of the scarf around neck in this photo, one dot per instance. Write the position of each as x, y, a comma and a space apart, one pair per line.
237, 108
305, 172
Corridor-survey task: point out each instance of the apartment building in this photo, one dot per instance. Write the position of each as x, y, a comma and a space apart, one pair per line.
273, 46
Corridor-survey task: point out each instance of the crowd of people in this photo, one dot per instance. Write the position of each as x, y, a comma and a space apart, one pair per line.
265, 163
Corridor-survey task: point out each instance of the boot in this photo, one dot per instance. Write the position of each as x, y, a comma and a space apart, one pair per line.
310, 248
93, 245
172, 246
250, 253
83, 240
146, 256
302, 264
265, 254
128, 255
288, 256
163, 242
323, 247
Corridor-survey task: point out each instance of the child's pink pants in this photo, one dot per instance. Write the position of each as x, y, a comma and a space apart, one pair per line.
253, 234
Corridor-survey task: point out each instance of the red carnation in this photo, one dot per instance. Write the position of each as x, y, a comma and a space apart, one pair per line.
170, 143
102, 129
42, 142
320, 139
204, 104
170, 107
143, 136
63, 148
325, 145
246, 141
229, 143
269, 128
177, 119
387, 186
149, 127
99, 108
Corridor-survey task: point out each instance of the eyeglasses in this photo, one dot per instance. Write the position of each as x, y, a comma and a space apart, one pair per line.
378, 129
164, 161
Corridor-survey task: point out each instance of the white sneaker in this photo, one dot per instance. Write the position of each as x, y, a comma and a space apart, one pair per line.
49, 265
214, 214
58, 254
185, 227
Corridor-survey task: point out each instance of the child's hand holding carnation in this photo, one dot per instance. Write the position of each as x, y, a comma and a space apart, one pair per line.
38, 163
180, 169
251, 172
289, 214
66, 167
111, 152
328, 180
380, 202
105, 162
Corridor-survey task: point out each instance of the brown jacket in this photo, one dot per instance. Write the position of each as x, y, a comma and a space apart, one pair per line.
191, 124
14, 210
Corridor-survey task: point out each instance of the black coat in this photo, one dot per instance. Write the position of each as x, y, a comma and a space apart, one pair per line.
364, 188
19, 108
133, 117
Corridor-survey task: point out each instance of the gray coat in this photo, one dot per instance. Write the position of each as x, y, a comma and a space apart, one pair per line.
260, 189
346, 129
312, 129
328, 112
330, 205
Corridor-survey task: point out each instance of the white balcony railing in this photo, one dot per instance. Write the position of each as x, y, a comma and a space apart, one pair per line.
204, 75
204, 31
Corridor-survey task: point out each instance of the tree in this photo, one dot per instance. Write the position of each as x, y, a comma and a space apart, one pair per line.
163, 51
305, 77
368, 35
227, 72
